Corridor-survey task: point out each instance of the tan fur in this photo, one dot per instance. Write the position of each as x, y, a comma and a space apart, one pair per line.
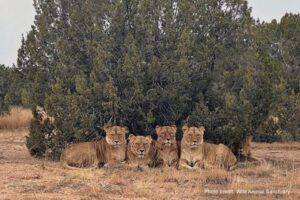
191, 155
218, 156
140, 151
167, 149
197, 154
244, 149
112, 149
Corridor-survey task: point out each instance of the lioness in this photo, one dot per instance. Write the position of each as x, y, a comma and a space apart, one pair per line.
243, 150
197, 154
140, 151
166, 145
219, 156
112, 149
192, 153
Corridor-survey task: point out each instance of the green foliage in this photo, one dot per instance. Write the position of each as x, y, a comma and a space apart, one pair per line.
4, 82
11, 88
40, 136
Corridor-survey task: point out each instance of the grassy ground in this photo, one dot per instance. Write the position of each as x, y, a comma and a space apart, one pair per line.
24, 177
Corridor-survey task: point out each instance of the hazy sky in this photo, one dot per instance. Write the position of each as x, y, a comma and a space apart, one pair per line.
267, 10
16, 17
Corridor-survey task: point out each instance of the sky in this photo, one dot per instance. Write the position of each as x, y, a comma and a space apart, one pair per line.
16, 18
267, 10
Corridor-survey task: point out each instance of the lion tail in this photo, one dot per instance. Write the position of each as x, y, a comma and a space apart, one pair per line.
65, 165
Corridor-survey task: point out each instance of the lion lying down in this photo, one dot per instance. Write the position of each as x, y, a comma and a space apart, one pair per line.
166, 146
90, 154
195, 153
243, 150
140, 151
143, 151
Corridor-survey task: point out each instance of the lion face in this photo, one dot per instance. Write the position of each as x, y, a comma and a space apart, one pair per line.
166, 135
193, 136
245, 146
139, 145
116, 135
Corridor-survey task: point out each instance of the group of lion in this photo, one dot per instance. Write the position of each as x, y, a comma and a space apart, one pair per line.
142, 151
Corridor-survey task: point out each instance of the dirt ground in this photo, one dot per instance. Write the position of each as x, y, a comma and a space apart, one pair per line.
24, 177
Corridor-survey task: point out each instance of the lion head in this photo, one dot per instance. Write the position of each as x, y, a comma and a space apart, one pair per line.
192, 136
245, 146
139, 145
166, 135
116, 135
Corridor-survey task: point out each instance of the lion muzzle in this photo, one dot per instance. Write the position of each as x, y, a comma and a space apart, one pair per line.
191, 163
194, 145
168, 142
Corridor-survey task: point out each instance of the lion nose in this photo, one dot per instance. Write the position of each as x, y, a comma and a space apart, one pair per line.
194, 141
141, 150
116, 141
168, 139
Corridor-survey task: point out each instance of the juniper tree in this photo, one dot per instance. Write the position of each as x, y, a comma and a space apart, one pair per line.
148, 63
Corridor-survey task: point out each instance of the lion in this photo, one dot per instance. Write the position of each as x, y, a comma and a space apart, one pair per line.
140, 151
166, 145
243, 150
219, 156
111, 149
191, 153
195, 153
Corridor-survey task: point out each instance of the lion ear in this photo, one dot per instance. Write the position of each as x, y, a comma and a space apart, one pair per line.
249, 138
201, 129
126, 130
131, 136
174, 128
149, 138
106, 129
185, 128
157, 129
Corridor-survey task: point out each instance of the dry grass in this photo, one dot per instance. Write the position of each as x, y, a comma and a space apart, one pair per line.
277, 145
17, 118
23, 177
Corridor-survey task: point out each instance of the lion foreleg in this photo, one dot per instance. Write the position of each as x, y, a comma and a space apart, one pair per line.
199, 164
183, 164
207, 165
